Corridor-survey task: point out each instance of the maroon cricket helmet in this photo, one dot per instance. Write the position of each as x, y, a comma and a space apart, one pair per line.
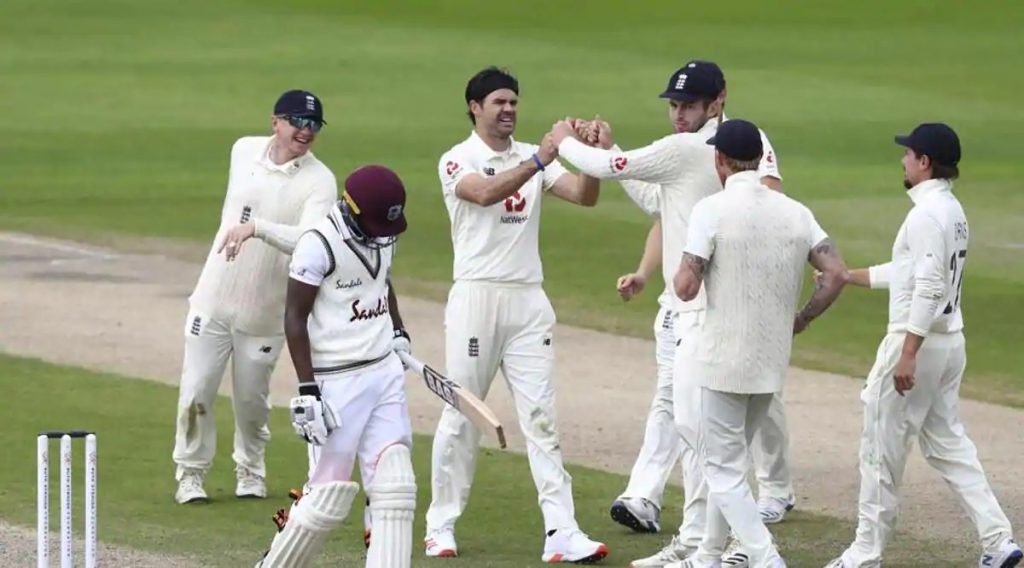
376, 197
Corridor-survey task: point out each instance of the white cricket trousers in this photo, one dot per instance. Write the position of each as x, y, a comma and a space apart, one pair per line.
727, 422
373, 413
490, 326
208, 346
661, 443
928, 412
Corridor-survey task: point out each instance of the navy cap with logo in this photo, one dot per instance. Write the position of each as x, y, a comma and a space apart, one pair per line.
376, 195
695, 81
933, 139
738, 139
300, 103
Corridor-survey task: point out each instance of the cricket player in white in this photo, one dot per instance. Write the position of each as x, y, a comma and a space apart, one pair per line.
276, 190
747, 247
343, 329
913, 389
680, 168
498, 315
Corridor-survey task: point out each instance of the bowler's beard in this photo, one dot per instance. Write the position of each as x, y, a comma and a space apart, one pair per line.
907, 184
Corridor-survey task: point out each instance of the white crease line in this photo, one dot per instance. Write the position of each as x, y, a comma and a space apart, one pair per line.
33, 241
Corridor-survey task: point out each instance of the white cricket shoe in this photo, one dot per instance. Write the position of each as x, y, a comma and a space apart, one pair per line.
734, 557
674, 551
837, 563
1006, 556
693, 563
572, 545
249, 485
773, 510
441, 544
190, 487
637, 513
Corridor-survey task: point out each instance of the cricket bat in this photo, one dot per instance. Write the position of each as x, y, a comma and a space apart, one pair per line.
459, 398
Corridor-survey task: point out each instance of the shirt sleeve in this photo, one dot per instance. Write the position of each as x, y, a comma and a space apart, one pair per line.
817, 234
284, 237
928, 251
312, 260
647, 196
879, 276
552, 172
769, 166
451, 169
658, 162
700, 237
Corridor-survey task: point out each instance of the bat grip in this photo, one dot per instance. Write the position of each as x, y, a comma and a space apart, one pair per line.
414, 364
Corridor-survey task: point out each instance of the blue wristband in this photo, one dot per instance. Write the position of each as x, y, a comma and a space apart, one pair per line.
536, 160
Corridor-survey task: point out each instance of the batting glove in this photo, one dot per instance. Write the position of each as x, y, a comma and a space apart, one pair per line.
401, 342
312, 418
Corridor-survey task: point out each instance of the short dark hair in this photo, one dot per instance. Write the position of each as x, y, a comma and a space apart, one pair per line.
486, 82
939, 170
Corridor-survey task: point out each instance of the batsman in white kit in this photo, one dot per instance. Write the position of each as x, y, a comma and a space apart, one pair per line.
913, 389
747, 247
277, 189
343, 330
498, 315
679, 169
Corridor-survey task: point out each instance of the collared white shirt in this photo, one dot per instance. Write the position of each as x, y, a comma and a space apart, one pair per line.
925, 275
680, 166
498, 243
282, 201
350, 321
757, 242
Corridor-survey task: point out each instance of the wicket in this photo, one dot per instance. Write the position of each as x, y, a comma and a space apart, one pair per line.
43, 497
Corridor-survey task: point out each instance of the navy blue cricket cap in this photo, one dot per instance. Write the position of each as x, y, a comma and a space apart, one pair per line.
300, 103
738, 139
933, 139
695, 81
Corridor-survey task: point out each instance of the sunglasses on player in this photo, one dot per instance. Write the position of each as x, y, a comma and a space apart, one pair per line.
301, 122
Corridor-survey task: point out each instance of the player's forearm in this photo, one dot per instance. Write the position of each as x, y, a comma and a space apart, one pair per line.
651, 259
587, 159
829, 286
495, 189
298, 346
396, 317
278, 235
860, 277
587, 190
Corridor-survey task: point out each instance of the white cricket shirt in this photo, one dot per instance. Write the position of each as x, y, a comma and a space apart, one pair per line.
283, 201
925, 275
350, 323
757, 242
682, 167
498, 243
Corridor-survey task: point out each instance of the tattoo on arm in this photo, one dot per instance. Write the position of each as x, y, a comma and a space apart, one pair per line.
696, 264
826, 258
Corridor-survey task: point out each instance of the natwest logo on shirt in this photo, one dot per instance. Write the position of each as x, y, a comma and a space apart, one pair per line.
618, 163
515, 204
364, 313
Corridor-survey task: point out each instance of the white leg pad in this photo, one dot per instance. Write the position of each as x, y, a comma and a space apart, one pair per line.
392, 506
309, 523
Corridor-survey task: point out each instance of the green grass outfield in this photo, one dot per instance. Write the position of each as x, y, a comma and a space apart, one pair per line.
135, 427
119, 116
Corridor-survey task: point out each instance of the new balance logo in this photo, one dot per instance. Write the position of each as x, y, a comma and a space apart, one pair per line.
196, 325
489, 171
265, 349
474, 347
547, 342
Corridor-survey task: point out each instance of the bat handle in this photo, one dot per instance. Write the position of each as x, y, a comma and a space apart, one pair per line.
414, 364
